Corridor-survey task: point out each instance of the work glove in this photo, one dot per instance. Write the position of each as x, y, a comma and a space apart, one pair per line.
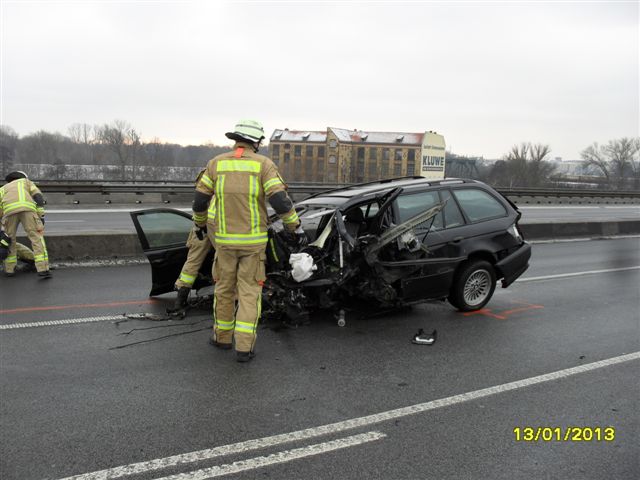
301, 237
201, 232
297, 238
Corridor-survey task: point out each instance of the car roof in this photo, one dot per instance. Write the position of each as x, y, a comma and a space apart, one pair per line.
356, 191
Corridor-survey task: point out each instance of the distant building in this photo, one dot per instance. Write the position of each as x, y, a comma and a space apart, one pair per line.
352, 156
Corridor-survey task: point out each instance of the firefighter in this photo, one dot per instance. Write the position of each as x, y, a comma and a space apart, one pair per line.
5, 241
21, 202
23, 253
241, 181
199, 245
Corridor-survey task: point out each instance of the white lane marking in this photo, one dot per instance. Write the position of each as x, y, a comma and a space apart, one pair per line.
50, 323
65, 221
115, 210
276, 458
575, 274
333, 428
589, 239
554, 207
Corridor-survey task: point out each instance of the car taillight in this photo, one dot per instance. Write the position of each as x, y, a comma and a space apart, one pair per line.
515, 233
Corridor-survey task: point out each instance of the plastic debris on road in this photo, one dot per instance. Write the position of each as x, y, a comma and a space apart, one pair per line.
422, 338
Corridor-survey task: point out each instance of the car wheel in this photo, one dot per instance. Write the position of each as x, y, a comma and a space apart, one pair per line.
473, 286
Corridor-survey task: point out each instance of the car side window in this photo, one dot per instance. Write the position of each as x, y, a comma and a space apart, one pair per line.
452, 215
164, 229
412, 204
479, 205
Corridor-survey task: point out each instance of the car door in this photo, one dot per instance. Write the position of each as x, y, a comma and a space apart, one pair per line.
447, 234
163, 234
435, 275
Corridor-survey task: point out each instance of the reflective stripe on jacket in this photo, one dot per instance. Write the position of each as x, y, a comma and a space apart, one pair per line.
240, 181
17, 196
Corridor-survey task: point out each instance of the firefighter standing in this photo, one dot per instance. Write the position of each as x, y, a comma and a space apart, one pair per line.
241, 181
21, 202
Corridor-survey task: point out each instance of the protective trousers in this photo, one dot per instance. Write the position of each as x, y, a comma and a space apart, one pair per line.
198, 250
241, 271
34, 229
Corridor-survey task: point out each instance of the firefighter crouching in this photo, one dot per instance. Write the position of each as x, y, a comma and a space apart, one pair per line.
241, 181
199, 245
21, 202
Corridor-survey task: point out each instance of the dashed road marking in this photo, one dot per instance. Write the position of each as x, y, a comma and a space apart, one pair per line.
334, 428
575, 274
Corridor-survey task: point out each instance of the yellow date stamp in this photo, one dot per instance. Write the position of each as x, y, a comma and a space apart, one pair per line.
564, 434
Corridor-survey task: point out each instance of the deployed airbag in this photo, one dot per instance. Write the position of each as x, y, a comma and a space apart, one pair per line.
302, 266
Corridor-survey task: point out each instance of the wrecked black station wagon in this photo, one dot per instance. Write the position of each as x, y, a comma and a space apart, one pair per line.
387, 244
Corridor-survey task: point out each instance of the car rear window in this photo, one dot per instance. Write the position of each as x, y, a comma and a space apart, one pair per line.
479, 205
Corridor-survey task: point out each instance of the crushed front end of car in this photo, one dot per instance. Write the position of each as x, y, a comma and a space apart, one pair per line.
351, 270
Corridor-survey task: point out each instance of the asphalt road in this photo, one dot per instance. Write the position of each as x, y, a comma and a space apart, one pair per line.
116, 218
334, 398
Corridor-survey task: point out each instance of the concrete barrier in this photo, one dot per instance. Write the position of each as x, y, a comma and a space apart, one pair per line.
558, 231
109, 245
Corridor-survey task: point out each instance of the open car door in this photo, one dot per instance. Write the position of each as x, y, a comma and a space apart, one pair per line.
163, 234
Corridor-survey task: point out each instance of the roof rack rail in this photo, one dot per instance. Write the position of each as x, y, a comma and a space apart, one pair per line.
375, 182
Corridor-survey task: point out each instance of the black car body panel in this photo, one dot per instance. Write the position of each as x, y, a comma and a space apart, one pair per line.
387, 243
514, 265
163, 233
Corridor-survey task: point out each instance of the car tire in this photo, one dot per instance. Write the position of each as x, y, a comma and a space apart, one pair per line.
473, 286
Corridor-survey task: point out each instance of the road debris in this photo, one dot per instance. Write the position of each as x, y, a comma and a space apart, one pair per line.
422, 338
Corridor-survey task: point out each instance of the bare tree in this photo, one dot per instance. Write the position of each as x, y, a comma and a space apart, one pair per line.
42, 147
135, 147
517, 164
616, 160
8, 144
114, 137
87, 136
621, 153
634, 164
596, 156
539, 169
525, 165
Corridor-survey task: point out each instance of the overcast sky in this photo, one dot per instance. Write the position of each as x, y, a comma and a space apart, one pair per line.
486, 75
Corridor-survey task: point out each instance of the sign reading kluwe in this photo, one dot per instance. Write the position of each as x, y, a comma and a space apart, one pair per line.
433, 156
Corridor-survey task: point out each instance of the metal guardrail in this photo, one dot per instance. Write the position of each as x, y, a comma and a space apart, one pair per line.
566, 192
166, 188
107, 188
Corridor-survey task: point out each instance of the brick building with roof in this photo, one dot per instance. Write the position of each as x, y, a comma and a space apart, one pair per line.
338, 155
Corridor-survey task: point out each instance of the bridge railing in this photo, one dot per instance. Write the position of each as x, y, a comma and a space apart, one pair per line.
105, 188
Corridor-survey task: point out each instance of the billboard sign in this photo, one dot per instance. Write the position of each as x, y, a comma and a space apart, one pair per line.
433, 156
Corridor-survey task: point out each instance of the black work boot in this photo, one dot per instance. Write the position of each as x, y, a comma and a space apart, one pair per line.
220, 345
243, 357
46, 274
182, 298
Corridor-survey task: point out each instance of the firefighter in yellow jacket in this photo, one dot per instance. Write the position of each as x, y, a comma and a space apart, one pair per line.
21, 202
199, 245
241, 181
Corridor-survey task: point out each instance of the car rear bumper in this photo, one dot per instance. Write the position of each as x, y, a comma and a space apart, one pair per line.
514, 265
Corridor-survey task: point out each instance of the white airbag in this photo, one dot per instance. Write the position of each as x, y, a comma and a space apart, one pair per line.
302, 266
